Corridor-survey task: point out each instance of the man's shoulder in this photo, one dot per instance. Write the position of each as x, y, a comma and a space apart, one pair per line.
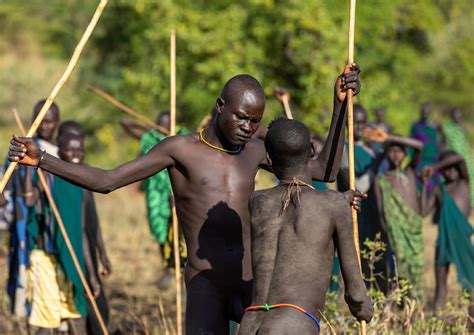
255, 145
329, 201
260, 196
263, 200
328, 193
183, 139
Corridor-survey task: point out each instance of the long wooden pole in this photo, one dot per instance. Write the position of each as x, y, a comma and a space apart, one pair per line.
64, 78
286, 107
350, 118
177, 259
124, 108
60, 222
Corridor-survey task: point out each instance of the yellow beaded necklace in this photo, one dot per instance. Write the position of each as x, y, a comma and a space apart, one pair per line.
201, 138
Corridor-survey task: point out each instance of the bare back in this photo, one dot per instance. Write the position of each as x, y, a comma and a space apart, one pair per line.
292, 257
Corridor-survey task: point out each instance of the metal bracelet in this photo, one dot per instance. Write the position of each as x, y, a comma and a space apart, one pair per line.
41, 159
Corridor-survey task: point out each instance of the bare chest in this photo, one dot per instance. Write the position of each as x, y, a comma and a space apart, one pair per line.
210, 171
460, 194
405, 186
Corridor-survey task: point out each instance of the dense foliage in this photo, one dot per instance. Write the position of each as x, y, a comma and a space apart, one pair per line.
410, 52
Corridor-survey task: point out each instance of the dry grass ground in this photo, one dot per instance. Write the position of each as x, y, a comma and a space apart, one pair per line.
137, 306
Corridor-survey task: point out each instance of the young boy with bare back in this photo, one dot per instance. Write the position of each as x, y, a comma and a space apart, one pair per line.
295, 231
451, 202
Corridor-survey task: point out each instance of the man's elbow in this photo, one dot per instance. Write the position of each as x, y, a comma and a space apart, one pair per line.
105, 186
103, 189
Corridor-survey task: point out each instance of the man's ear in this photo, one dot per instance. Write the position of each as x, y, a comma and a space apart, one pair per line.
269, 160
313, 151
219, 105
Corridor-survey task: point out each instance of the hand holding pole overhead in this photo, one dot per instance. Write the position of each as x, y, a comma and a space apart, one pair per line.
64, 78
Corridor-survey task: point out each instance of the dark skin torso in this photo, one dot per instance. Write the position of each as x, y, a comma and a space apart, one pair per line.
292, 259
211, 189
459, 191
405, 186
201, 178
199, 186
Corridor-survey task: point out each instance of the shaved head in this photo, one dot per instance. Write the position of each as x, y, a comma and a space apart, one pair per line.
240, 109
243, 86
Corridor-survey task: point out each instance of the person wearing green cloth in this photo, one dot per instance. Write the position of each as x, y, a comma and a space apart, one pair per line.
366, 166
452, 209
159, 201
52, 272
400, 211
456, 139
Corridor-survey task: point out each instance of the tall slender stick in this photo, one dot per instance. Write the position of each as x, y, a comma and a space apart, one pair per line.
350, 119
124, 108
173, 81
177, 259
60, 222
64, 78
18, 121
286, 107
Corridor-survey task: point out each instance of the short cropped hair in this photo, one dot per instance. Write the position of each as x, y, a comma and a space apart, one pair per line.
64, 139
390, 144
70, 127
288, 143
54, 108
358, 108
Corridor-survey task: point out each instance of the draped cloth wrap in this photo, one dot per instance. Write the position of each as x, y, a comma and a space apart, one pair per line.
405, 233
69, 200
454, 241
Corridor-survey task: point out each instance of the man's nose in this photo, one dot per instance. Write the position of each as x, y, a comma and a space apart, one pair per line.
246, 126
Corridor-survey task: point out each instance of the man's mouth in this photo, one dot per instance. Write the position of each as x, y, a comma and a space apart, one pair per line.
243, 138
75, 160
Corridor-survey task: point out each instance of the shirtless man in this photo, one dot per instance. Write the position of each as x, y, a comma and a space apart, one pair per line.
295, 230
212, 176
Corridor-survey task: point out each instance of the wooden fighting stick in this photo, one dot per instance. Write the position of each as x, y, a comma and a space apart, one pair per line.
64, 78
60, 222
286, 106
177, 259
124, 108
350, 122
285, 100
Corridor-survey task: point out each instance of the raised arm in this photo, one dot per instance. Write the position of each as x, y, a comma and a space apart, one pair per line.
134, 128
25, 151
378, 135
454, 159
326, 166
355, 291
407, 142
